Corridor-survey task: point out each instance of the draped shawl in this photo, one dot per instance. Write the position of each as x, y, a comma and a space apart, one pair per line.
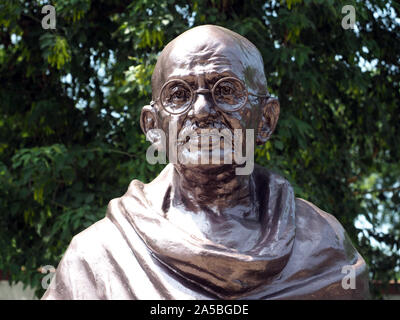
135, 252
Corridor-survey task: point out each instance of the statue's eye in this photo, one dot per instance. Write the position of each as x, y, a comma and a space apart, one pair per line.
176, 96
230, 94
179, 95
225, 89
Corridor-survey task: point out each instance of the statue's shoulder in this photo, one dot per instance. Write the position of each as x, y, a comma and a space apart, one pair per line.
322, 229
320, 234
91, 241
319, 225
322, 240
80, 273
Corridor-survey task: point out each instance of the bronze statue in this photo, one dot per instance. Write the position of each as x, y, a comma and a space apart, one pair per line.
202, 231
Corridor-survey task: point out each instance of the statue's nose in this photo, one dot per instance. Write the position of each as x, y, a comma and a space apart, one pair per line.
203, 106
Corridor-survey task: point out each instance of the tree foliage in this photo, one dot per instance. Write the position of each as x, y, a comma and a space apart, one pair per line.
70, 100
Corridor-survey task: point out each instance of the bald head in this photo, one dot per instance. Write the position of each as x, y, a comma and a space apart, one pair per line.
210, 49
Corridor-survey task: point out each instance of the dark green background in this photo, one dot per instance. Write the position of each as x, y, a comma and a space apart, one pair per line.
70, 100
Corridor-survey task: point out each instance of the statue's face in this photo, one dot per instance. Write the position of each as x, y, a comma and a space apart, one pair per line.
201, 59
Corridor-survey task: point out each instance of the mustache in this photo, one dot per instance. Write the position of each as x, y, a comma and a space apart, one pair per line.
195, 130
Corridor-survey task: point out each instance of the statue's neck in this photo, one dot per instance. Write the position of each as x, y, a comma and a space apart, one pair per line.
213, 190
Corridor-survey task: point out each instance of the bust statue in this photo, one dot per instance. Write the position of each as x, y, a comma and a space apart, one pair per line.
205, 230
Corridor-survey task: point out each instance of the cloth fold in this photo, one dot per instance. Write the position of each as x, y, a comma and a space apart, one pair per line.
135, 252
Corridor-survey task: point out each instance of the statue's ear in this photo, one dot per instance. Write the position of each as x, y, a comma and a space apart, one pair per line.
148, 122
269, 119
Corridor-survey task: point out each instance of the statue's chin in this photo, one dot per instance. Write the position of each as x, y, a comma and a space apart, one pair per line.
196, 171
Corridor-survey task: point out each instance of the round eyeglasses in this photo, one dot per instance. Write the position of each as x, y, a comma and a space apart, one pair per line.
229, 95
